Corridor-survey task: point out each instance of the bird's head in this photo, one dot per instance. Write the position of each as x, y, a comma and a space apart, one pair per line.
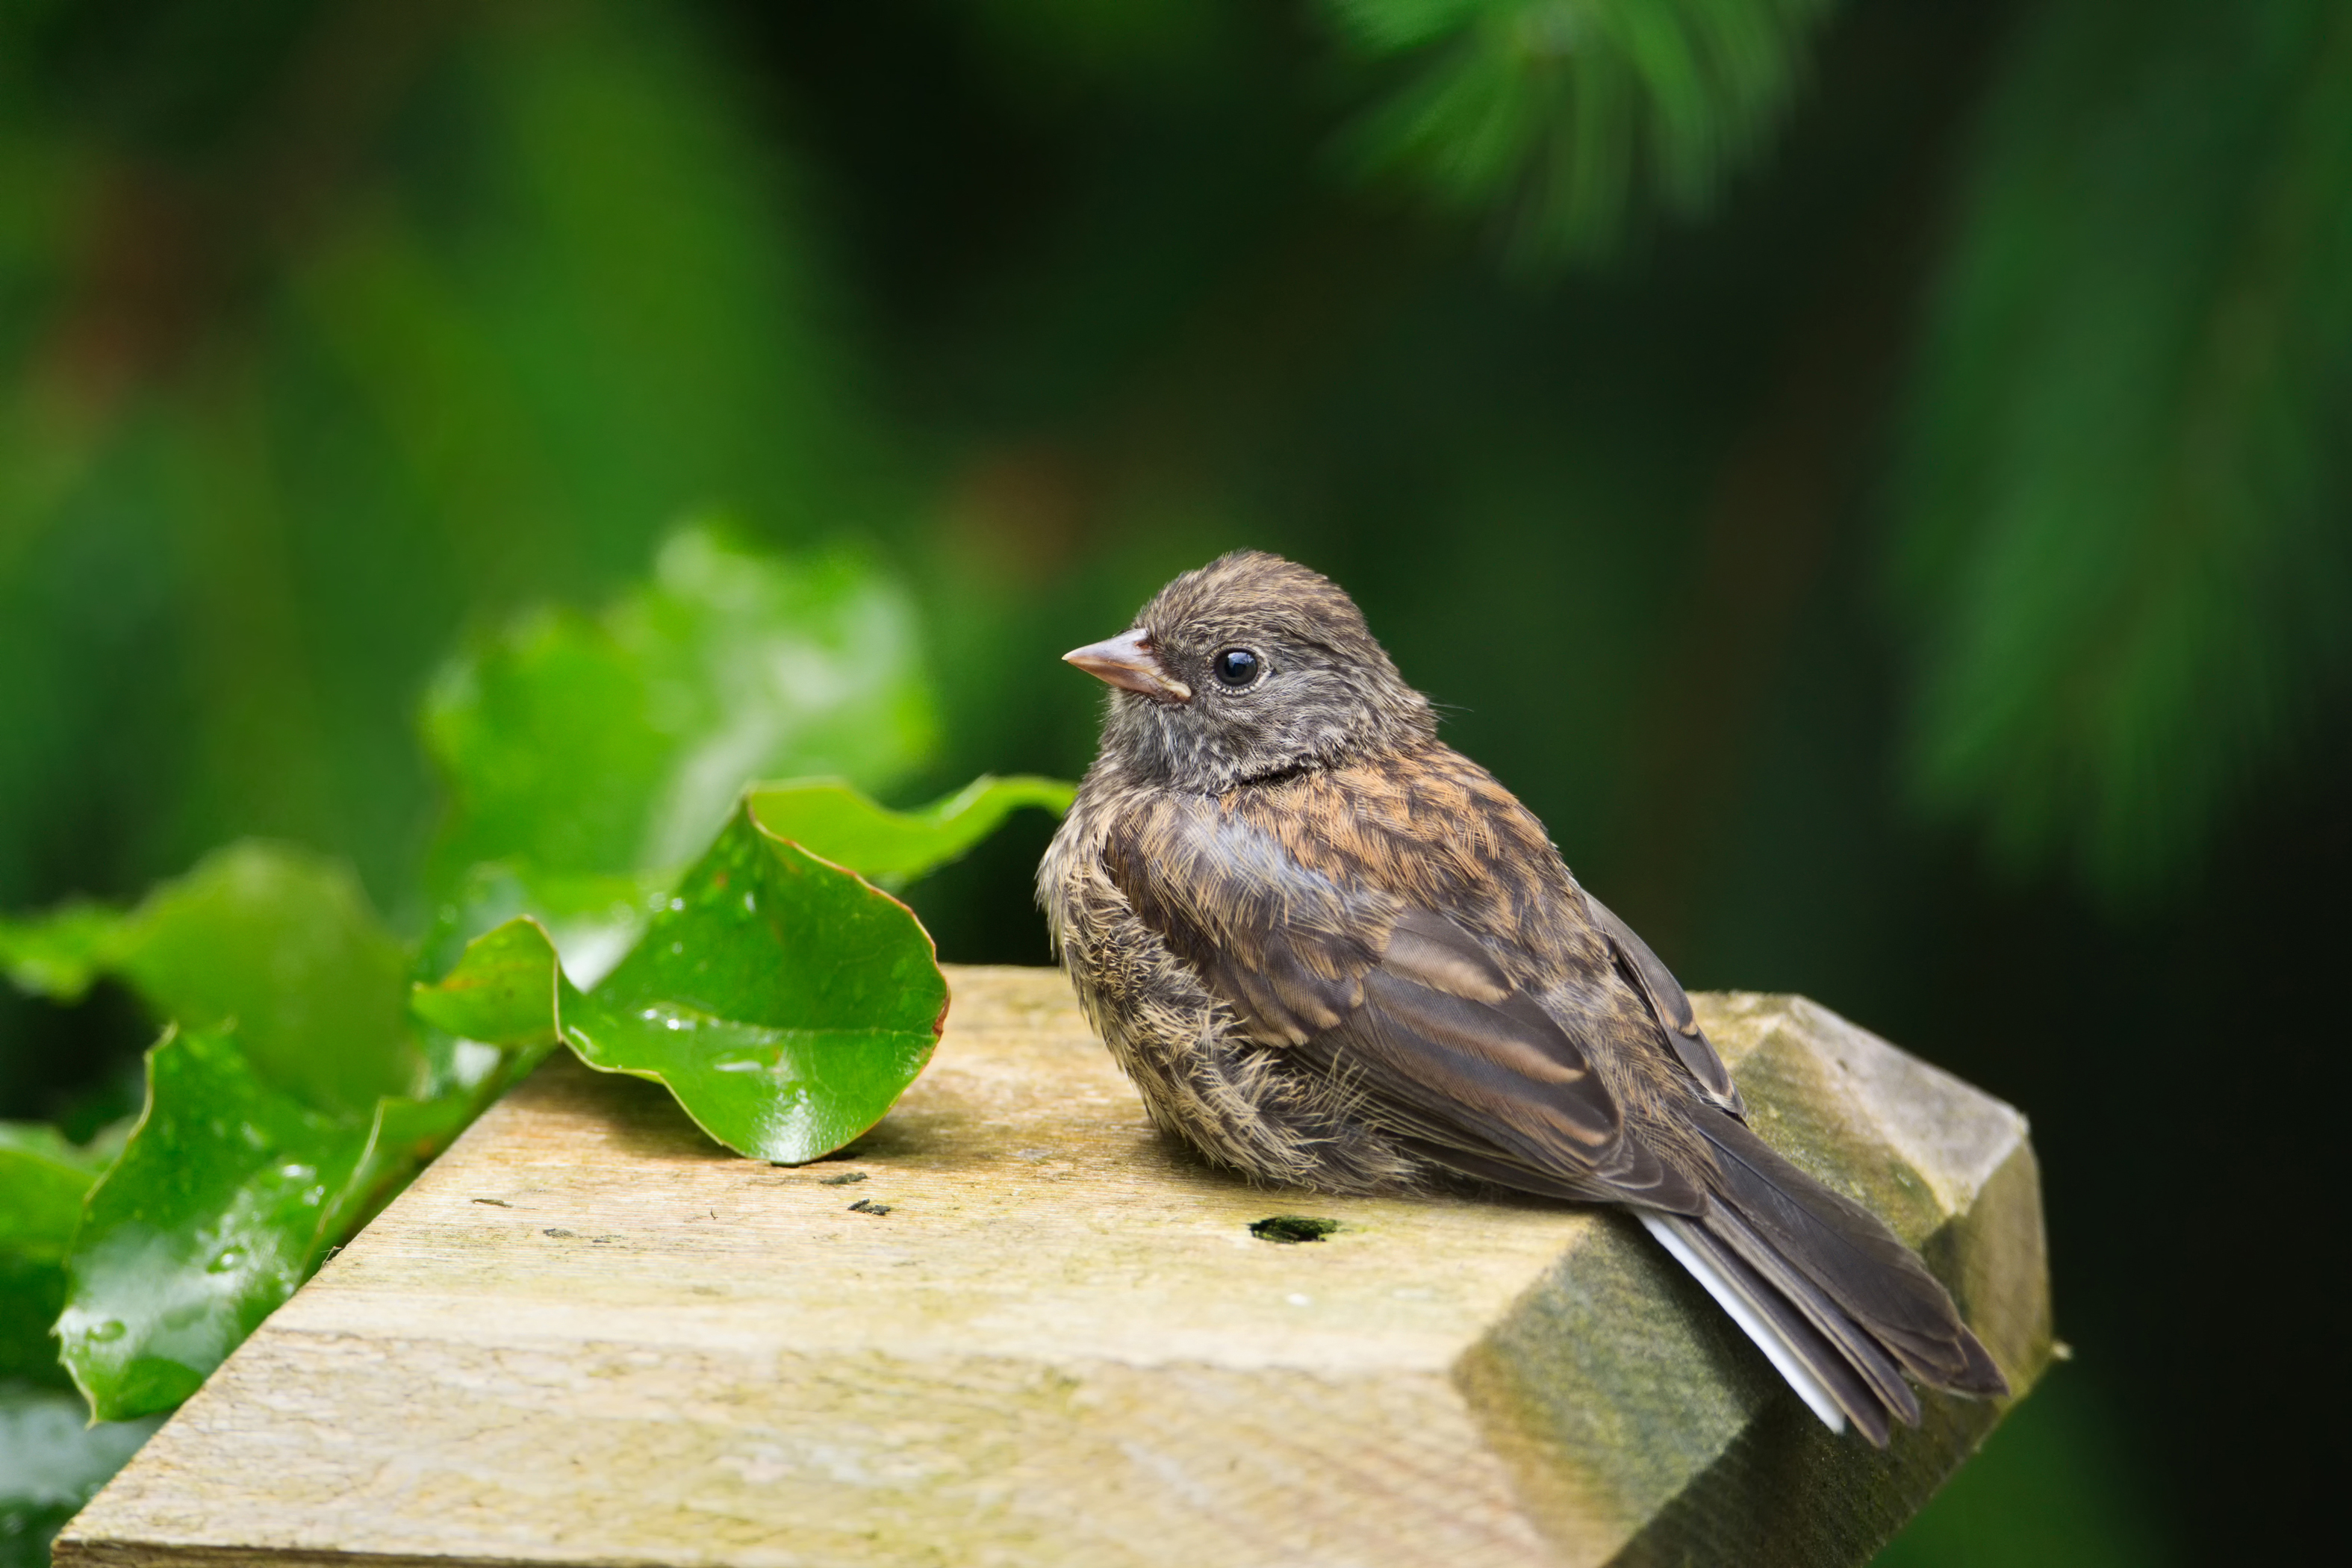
1248, 668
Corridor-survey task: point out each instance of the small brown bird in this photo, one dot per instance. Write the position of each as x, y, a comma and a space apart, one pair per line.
1332, 951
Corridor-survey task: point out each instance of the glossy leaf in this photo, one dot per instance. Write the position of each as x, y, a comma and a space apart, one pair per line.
784, 1001
206, 1225
229, 1192
833, 820
609, 747
52, 1461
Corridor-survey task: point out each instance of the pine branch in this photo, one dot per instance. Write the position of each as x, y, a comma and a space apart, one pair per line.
2121, 548
1564, 119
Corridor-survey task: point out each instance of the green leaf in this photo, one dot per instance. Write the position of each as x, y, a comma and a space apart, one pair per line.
276, 939
52, 1461
43, 1179
281, 942
208, 1222
1561, 117
229, 1192
833, 820
785, 1002
62, 953
504, 991
271, 1128
592, 919
613, 747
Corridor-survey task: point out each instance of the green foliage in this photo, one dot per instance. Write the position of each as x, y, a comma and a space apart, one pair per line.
833, 821
261, 1140
2121, 548
269, 338
786, 1002
276, 1116
280, 943
268, 934
1560, 120
210, 1219
506, 989
610, 746
586, 761
275, 1112
229, 1192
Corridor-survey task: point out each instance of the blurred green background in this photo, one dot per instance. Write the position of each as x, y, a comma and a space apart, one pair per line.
1872, 477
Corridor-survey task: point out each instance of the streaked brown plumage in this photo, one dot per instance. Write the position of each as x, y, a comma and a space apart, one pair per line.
1332, 951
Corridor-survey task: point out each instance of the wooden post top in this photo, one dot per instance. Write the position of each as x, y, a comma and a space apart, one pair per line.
1012, 1325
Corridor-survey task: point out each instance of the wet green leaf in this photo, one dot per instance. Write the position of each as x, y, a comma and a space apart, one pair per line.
584, 754
785, 1002
273, 1125
60, 953
52, 1461
228, 1194
833, 820
208, 1222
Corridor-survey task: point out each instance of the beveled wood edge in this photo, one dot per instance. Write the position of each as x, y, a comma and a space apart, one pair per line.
77, 1552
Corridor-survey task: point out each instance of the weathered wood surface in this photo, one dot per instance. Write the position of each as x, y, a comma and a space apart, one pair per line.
588, 1335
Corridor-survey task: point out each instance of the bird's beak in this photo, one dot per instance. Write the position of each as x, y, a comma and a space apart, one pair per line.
1127, 662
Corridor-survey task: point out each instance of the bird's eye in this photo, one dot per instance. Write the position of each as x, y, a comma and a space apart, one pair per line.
1236, 667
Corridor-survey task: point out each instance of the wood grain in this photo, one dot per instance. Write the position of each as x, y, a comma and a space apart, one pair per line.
588, 1335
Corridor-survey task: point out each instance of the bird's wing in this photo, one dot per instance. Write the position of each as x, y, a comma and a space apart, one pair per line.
1658, 987
1287, 948
1403, 1004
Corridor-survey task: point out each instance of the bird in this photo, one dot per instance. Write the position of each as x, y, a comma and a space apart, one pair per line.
1332, 951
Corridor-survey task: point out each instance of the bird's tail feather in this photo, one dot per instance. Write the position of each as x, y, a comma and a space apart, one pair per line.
1791, 1346
1834, 1300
